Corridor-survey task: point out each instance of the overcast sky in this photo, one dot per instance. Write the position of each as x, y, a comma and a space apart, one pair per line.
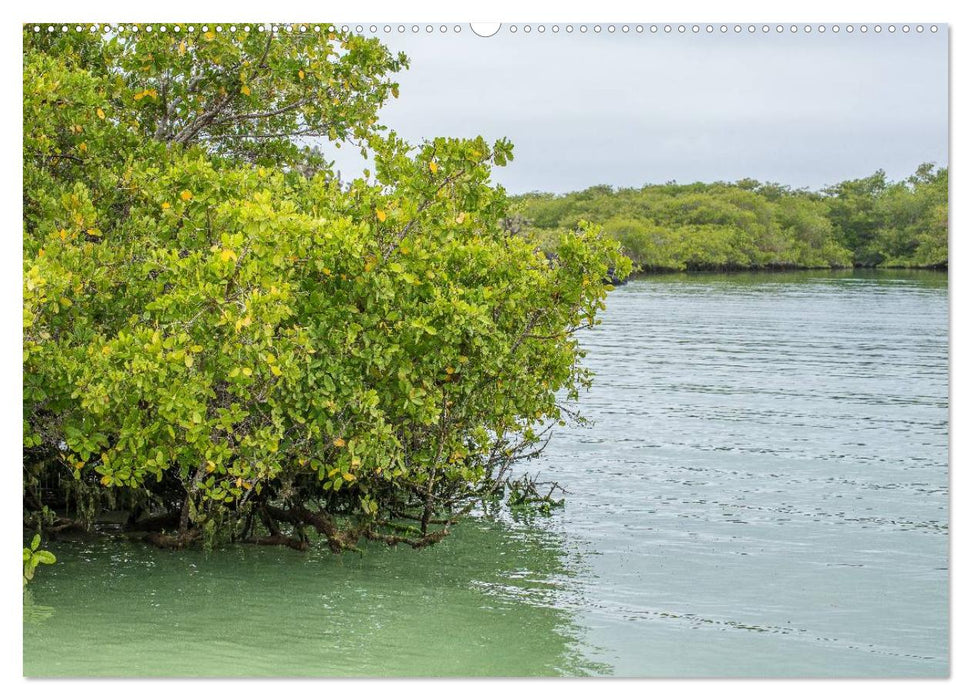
626, 110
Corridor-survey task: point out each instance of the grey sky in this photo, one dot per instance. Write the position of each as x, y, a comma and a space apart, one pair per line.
626, 110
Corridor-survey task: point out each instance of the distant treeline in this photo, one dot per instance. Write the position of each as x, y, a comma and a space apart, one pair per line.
870, 222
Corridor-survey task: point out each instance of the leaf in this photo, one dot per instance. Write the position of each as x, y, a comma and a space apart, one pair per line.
433, 166
300, 74
100, 113
45, 557
381, 215
185, 195
35, 543
245, 90
339, 442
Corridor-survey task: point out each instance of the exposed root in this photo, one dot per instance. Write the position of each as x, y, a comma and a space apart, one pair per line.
413, 542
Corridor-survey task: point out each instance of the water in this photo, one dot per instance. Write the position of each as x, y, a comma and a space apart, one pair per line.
764, 492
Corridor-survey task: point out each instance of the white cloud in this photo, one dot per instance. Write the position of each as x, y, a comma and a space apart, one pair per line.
805, 110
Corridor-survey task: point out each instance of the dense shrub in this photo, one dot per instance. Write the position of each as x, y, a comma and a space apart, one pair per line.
751, 225
223, 338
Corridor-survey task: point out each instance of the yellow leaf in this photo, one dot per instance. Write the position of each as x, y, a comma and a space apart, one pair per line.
210, 35
227, 254
276, 370
189, 360
301, 74
106, 480
381, 215
182, 48
460, 218
100, 113
83, 147
234, 372
185, 195
247, 371
339, 442
348, 476
245, 90
271, 358
166, 205
106, 350
196, 348
433, 166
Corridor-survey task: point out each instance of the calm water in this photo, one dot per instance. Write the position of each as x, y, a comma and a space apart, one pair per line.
764, 492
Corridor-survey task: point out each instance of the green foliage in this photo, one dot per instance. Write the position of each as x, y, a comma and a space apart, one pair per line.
33, 557
901, 224
217, 327
752, 225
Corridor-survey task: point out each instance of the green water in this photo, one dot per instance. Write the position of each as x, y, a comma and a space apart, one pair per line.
483, 603
763, 492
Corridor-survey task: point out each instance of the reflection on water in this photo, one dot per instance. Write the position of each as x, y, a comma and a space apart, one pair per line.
763, 492
484, 602
34, 613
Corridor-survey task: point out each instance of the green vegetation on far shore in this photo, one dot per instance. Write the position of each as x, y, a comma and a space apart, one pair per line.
870, 222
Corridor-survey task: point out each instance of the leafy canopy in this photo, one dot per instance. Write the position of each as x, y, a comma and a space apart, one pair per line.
753, 225
220, 332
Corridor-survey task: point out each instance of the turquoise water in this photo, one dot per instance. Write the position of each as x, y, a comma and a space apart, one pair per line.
763, 492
